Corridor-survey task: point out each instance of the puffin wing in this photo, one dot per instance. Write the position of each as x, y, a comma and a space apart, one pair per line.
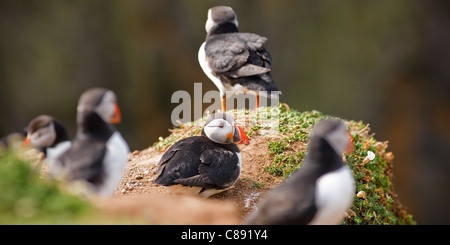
238, 54
249, 70
165, 159
220, 167
169, 154
87, 166
204, 177
195, 180
180, 161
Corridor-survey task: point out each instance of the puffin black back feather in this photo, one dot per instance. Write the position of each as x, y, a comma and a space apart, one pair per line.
223, 28
231, 56
61, 133
90, 140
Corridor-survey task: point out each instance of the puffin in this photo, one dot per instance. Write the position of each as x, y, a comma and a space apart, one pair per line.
318, 193
204, 165
99, 153
235, 61
47, 135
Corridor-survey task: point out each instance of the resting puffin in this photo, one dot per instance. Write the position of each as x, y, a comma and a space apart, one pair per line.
321, 191
98, 153
48, 135
233, 60
206, 164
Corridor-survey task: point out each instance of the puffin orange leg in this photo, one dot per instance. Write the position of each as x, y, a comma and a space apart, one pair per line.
257, 100
224, 104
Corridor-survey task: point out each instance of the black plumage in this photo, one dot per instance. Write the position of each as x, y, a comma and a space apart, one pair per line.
90, 140
198, 161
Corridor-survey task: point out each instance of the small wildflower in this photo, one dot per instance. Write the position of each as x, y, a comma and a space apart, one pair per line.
370, 156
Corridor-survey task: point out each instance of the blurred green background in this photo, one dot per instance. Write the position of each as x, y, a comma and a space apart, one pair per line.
384, 62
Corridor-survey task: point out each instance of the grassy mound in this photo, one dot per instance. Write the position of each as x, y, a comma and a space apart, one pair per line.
286, 132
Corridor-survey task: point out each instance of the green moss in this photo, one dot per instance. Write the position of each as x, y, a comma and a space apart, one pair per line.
372, 177
27, 199
257, 185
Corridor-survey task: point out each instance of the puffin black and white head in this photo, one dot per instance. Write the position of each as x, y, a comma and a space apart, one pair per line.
48, 135
98, 102
221, 128
235, 61
99, 153
321, 191
206, 164
221, 19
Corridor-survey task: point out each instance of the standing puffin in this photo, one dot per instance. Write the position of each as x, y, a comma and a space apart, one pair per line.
98, 153
206, 164
233, 60
48, 135
321, 191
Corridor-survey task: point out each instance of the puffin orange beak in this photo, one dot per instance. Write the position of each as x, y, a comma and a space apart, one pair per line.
350, 144
26, 142
244, 138
117, 118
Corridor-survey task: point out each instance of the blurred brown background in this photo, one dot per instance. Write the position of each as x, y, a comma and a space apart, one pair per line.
384, 62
